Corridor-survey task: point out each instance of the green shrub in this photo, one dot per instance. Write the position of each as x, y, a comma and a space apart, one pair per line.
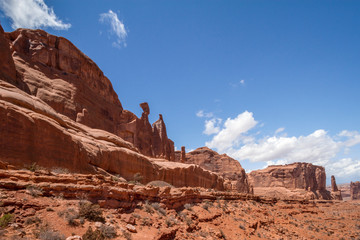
90, 211
6, 219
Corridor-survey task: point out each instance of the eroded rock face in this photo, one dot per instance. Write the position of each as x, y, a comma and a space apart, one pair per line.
292, 176
335, 192
33, 132
296, 175
355, 190
224, 165
54, 70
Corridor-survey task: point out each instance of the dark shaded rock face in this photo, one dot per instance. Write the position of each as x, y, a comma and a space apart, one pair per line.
355, 190
229, 168
54, 70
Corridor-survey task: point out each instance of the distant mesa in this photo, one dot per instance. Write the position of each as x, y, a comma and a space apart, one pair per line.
294, 180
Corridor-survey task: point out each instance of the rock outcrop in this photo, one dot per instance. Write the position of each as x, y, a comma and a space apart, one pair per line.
229, 168
32, 132
54, 70
355, 190
335, 192
298, 175
58, 110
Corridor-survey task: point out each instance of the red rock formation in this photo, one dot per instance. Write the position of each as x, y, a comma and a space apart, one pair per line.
56, 106
163, 147
183, 154
54, 70
355, 190
292, 176
335, 193
32, 132
224, 165
334, 187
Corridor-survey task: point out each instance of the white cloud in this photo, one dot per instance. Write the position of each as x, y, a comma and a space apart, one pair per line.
212, 126
232, 133
318, 148
242, 82
279, 130
31, 14
202, 113
117, 27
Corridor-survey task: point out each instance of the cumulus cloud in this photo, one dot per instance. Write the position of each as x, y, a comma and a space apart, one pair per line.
318, 147
31, 14
117, 27
233, 131
212, 126
202, 113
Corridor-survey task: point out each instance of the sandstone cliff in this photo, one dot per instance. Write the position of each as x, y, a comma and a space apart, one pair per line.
355, 190
224, 165
57, 109
335, 192
304, 176
55, 71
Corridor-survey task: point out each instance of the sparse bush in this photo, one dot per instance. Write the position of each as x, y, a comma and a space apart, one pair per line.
31, 220
148, 208
146, 221
70, 216
93, 235
108, 231
157, 207
242, 227
90, 211
204, 234
60, 170
33, 167
6, 219
170, 221
49, 209
159, 184
188, 206
126, 235
137, 177
34, 191
48, 234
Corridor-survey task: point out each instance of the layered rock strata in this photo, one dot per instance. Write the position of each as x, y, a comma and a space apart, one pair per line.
55, 71
355, 190
57, 109
229, 168
298, 175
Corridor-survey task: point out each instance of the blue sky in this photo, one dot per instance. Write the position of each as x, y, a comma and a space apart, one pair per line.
266, 82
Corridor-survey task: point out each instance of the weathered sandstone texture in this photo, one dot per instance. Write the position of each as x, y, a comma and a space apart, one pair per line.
355, 190
59, 110
335, 192
298, 175
229, 168
55, 71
